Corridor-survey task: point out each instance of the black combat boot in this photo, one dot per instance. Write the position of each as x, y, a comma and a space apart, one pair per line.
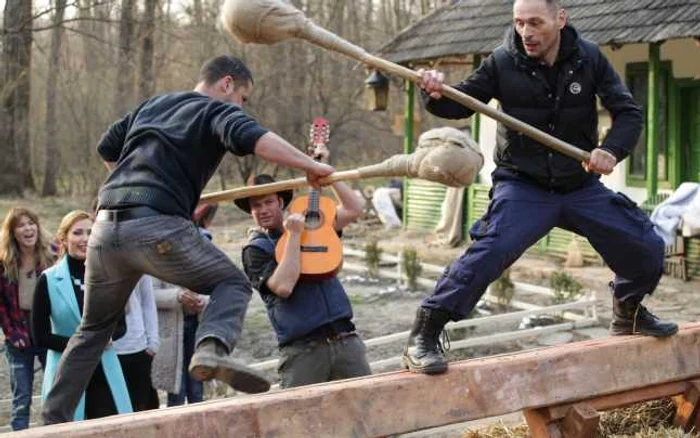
424, 353
631, 318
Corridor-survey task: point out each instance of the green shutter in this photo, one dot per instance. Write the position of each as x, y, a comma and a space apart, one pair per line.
423, 200
692, 257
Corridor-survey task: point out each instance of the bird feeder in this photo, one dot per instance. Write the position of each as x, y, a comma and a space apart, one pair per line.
377, 91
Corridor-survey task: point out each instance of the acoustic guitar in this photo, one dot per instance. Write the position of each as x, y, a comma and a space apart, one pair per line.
321, 249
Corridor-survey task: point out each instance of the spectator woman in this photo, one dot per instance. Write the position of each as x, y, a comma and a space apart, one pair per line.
137, 348
58, 307
24, 253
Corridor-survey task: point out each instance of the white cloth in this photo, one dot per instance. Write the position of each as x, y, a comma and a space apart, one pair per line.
667, 215
449, 229
166, 372
141, 321
381, 200
691, 218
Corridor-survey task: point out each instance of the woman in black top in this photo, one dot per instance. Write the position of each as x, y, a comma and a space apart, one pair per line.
73, 235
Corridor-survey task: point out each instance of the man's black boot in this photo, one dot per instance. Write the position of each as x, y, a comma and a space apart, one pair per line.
631, 318
423, 353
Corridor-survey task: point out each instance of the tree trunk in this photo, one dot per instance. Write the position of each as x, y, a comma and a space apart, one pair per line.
147, 84
125, 65
15, 89
53, 150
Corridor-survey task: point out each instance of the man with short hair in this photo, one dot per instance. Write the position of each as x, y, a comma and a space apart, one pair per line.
311, 317
547, 76
161, 156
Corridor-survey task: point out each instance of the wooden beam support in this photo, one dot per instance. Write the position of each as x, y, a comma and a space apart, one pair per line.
400, 402
580, 422
539, 424
688, 413
620, 400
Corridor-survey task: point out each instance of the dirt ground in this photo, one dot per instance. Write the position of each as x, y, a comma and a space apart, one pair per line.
380, 308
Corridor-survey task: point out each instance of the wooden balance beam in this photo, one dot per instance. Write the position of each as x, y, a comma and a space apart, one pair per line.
398, 402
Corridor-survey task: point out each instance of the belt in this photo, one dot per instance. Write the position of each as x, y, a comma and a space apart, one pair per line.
329, 333
126, 214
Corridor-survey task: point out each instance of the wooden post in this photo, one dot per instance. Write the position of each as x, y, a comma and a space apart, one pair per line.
540, 425
580, 422
688, 413
652, 171
476, 118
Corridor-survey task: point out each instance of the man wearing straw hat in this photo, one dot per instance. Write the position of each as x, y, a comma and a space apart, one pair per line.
312, 318
161, 156
547, 76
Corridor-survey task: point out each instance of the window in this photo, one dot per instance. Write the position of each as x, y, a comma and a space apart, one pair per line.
637, 81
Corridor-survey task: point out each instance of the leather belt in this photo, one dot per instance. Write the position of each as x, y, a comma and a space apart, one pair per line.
126, 214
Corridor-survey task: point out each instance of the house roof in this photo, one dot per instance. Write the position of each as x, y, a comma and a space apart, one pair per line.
477, 26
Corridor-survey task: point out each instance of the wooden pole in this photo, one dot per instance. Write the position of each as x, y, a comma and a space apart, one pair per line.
652, 137
408, 144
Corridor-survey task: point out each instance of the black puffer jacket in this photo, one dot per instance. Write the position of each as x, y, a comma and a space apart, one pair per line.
568, 112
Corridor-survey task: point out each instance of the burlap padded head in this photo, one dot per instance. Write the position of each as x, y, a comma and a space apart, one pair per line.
263, 21
447, 155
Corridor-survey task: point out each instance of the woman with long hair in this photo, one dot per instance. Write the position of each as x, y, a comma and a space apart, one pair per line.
24, 253
58, 308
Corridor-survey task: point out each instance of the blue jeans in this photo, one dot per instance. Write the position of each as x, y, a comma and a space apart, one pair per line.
21, 364
521, 213
190, 389
119, 253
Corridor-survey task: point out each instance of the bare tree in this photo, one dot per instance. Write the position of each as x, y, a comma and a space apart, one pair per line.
15, 87
125, 64
147, 79
53, 151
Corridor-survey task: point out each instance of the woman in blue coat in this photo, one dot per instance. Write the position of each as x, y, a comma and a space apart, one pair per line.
58, 307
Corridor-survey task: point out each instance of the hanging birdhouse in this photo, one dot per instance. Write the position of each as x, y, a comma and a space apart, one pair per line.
377, 91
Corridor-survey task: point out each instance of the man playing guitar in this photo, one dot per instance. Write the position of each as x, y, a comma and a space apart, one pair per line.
311, 315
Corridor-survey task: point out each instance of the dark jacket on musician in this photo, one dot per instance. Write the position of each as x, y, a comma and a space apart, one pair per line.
314, 309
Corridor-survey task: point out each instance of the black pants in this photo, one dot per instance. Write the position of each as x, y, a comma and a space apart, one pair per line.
137, 373
99, 401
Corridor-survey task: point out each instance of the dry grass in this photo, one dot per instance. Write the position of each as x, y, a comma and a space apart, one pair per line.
645, 420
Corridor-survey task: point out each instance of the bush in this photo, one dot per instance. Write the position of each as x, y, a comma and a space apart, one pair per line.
503, 289
565, 287
412, 267
373, 255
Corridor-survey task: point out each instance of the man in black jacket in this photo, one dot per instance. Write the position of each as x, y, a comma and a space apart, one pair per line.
161, 156
546, 75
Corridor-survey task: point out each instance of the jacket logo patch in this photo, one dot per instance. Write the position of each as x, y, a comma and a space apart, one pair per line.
575, 88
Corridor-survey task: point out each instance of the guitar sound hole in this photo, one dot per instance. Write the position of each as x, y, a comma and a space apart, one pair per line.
313, 220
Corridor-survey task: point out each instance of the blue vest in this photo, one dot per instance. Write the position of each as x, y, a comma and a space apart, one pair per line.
65, 319
311, 304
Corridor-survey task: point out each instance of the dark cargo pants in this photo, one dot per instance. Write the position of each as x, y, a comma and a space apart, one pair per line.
521, 213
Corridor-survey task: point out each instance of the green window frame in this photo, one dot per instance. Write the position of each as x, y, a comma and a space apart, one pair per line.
637, 79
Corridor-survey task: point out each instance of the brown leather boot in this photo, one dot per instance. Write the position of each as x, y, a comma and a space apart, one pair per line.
212, 361
424, 353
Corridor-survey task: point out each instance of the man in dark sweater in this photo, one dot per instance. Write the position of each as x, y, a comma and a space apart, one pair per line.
547, 76
161, 156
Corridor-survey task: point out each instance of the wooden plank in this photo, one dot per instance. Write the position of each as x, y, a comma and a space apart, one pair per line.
475, 322
619, 400
401, 401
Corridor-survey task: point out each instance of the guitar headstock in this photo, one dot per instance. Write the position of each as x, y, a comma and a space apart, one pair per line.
319, 135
